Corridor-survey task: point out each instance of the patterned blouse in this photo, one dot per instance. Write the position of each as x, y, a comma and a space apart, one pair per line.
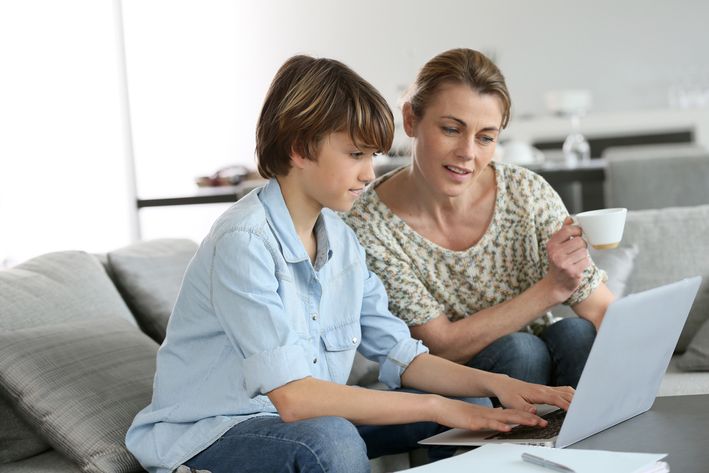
424, 280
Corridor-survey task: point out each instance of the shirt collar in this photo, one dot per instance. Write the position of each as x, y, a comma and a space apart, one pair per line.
282, 224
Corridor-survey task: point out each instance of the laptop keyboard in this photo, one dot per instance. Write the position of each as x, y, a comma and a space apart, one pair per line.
555, 419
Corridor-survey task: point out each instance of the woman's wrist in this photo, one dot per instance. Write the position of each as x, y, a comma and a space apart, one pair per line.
551, 294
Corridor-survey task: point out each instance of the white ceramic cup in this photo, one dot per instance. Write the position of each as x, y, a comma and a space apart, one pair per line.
602, 229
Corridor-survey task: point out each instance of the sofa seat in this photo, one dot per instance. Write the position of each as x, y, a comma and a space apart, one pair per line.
682, 383
48, 462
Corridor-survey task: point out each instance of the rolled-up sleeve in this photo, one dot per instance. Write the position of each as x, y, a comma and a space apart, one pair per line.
244, 295
385, 338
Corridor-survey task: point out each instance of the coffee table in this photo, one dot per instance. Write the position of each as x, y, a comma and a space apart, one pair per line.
676, 425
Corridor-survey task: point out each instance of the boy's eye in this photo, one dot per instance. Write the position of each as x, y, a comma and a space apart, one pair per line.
357, 154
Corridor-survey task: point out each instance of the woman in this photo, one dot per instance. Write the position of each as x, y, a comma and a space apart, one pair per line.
251, 376
471, 250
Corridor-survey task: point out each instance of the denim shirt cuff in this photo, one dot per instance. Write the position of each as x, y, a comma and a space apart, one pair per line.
398, 359
269, 370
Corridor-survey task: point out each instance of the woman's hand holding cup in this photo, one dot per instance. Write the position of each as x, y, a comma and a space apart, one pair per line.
568, 259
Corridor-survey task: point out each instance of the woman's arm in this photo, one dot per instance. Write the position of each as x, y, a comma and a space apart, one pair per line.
461, 340
594, 307
310, 397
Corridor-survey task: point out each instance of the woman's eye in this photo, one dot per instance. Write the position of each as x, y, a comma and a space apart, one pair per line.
449, 130
487, 139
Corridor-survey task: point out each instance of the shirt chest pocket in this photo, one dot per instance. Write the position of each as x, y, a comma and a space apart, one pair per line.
340, 344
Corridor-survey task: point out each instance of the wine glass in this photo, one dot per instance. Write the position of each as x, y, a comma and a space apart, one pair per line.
576, 148
573, 103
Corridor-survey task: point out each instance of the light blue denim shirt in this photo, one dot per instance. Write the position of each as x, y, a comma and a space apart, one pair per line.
253, 314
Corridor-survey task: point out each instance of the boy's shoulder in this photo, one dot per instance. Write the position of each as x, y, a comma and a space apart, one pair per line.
247, 214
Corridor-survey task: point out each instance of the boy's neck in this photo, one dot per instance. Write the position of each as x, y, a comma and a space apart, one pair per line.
303, 210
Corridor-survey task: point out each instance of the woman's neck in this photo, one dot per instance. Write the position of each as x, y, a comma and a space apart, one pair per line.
440, 207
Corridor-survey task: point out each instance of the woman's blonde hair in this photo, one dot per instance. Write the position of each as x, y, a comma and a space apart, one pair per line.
310, 98
459, 66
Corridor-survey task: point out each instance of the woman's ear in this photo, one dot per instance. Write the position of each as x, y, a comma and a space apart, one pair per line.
409, 117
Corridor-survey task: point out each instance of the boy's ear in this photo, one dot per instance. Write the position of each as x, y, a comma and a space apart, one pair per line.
296, 158
409, 119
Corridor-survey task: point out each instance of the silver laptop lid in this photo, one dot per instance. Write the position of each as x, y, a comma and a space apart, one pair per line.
628, 359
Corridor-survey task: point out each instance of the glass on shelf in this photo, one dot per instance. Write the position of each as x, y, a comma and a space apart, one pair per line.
576, 148
572, 103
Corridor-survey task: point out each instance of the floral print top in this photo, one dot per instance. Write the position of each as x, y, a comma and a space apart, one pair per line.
424, 280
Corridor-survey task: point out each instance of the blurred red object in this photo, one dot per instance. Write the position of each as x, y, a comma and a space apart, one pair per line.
226, 176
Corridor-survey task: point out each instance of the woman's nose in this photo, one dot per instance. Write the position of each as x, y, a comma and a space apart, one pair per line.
468, 147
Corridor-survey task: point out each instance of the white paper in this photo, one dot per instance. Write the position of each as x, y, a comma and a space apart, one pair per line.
507, 458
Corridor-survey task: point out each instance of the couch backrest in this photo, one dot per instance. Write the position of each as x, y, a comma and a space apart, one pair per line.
149, 274
647, 180
56, 288
673, 243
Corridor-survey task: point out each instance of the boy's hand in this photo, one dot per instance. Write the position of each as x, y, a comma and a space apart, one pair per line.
463, 415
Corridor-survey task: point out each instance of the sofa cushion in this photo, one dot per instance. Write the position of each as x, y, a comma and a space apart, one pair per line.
55, 288
50, 289
618, 265
673, 245
681, 383
17, 440
149, 275
81, 384
696, 358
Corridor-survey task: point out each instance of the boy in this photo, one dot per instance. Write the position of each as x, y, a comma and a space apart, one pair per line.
251, 376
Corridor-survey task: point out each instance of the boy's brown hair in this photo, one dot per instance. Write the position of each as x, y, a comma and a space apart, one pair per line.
310, 98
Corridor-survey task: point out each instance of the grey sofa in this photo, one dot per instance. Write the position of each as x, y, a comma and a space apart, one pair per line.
78, 339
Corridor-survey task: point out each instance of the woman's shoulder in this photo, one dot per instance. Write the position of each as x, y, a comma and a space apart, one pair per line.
368, 211
519, 174
522, 185
528, 193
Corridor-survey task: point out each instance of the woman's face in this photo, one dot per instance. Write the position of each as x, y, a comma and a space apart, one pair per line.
455, 139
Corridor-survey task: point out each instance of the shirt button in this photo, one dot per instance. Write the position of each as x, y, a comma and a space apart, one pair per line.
315, 360
354, 340
314, 316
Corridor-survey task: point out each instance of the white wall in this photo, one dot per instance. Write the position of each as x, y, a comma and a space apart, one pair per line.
197, 86
63, 175
198, 71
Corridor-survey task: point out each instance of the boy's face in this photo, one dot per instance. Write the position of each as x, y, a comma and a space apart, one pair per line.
339, 173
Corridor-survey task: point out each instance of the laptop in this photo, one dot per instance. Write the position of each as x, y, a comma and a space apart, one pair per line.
621, 377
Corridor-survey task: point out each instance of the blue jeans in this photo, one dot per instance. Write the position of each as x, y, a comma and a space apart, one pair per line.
267, 444
322, 444
556, 358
